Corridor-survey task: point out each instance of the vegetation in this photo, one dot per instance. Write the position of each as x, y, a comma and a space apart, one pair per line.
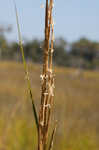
77, 100
80, 54
76, 107
47, 81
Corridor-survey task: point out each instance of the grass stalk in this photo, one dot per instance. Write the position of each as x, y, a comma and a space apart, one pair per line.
47, 80
52, 138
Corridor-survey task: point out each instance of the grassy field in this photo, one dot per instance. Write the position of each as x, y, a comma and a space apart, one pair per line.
76, 108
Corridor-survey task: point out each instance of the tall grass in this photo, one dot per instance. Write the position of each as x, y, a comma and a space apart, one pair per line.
43, 120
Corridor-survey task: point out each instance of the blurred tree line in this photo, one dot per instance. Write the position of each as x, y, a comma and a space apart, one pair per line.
82, 53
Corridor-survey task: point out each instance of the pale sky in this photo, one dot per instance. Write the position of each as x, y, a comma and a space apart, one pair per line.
73, 18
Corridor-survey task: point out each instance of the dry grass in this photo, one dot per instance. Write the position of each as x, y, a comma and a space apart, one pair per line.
76, 108
47, 80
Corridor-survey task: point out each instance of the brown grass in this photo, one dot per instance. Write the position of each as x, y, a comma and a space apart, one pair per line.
47, 80
76, 105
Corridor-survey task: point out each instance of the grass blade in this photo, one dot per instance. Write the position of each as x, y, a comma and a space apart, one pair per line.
34, 111
52, 138
25, 68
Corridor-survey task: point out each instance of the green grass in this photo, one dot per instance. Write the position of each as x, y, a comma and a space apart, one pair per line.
76, 108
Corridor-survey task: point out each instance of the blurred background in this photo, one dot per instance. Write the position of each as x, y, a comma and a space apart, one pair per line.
76, 66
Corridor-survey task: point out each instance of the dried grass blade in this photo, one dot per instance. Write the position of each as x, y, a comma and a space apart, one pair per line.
52, 137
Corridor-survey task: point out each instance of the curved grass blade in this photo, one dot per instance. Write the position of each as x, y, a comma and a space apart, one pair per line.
26, 68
